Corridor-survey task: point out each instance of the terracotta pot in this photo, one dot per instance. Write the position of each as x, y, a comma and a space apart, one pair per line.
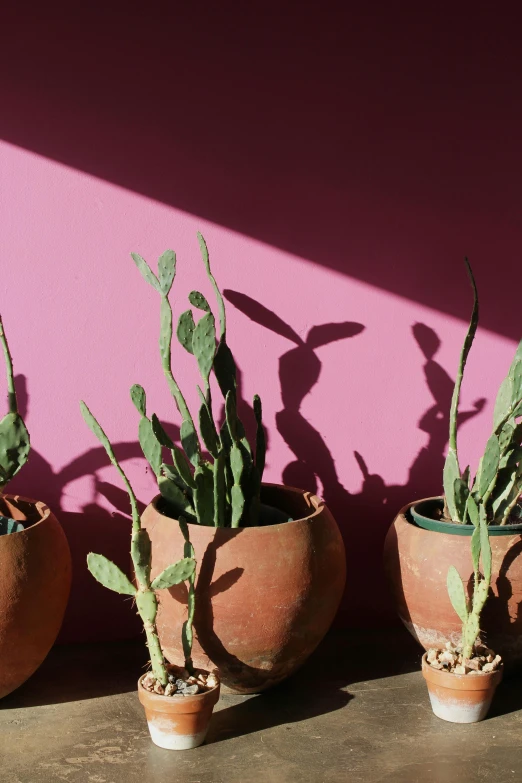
416, 562
460, 698
265, 596
178, 722
35, 579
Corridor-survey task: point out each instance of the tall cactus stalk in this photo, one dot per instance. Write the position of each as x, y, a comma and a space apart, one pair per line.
14, 437
498, 481
112, 577
224, 488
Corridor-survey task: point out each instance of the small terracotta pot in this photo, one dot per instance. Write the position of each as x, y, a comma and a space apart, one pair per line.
35, 579
460, 698
265, 596
178, 722
416, 562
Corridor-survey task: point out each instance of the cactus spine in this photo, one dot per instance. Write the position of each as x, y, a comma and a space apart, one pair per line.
14, 437
223, 489
110, 576
498, 480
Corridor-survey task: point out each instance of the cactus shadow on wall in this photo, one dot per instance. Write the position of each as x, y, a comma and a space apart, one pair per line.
93, 613
363, 517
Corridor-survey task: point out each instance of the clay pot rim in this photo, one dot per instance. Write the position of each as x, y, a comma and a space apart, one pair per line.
157, 702
42, 508
452, 528
484, 681
317, 502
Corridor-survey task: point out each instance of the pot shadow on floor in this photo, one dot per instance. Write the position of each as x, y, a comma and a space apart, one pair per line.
322, 684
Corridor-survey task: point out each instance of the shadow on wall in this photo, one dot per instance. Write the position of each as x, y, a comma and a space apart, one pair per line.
95, 613
364, 518
380, 142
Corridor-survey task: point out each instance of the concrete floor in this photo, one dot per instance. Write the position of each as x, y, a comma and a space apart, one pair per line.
345, 716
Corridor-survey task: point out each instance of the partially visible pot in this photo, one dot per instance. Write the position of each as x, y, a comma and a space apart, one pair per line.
460, 698
265, 596
178, 722
416, 562
35, 580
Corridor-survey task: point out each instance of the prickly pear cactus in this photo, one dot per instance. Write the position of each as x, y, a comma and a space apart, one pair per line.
217, 480
14, 437
497, 483
109, 575
469, 612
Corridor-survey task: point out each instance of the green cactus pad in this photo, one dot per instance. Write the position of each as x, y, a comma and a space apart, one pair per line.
219, 490
165, 338
503, 402
146, 271
204, 494
174, 495
14, 445
166, 271
185, 330
208, 430
182, 467
147, 605
238, 504
490, 464
225, 369
457, 594
174, 574
204, 344
159, 432
139, 398
197, 299
149, 445
450, 475
190, 442
109, 575
141, 550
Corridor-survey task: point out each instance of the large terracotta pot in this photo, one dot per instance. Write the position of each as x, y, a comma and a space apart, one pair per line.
265, 596
35, 579
416, 562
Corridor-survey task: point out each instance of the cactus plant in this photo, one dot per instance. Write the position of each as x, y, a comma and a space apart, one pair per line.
223, 488
14, 438
470, 613
497, 484
143, 591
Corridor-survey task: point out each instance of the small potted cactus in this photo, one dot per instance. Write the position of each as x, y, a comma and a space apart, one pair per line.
462, 679
178, 701
275, 550
434, 530
35, 561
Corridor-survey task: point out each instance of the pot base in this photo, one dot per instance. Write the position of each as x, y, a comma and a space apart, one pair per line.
162, 735
457, 710
460, 698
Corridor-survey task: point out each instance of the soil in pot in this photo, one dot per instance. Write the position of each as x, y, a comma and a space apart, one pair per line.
179, 715
461, 690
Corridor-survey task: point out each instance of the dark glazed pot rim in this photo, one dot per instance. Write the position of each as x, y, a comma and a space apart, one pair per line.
41, 512
419, 517
317, 506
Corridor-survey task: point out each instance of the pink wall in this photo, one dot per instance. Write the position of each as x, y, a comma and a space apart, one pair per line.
339, 169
